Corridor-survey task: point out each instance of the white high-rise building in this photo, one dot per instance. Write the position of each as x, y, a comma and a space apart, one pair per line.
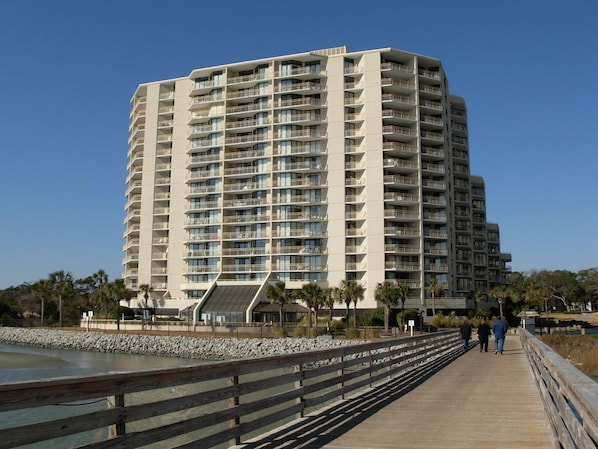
321, 167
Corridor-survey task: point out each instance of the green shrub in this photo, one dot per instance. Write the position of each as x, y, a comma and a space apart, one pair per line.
300, 331
441, 321
353, 333
371, 317
410, 314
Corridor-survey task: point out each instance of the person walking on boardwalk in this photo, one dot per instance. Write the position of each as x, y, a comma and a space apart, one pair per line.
465, 330
500, 332
484, 335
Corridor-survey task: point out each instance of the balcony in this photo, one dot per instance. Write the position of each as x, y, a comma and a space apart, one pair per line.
432, 136
298, 249
392, 85
245, 139
244, 203
398, 68
396, 197
306, 102
397, 100
396, 117
298, 233
435, 217
249, 79
433, 184
201, 130
402, 249
400, 180
401, 231
201, 100
399, 148
249, 124
244, 268
438, 267
430, 90
309, 71
250, 186
298, 149
298, 199
400, 214
246, 218
298, 166
247, 108
429, 74
400, 164
401, 266
434, 201
432, 152
202, 160
247, 93
432, 105
243, 154
299, 267
298, 183
398, 132
304, 87
300, 134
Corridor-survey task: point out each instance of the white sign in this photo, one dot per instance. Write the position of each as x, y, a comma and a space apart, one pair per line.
411, 323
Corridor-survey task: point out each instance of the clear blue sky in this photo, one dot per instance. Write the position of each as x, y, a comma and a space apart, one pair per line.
527, 70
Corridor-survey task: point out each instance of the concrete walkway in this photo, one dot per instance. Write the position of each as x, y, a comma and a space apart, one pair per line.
481, 400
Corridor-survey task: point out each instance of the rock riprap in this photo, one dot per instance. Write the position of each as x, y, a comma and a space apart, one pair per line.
210, 348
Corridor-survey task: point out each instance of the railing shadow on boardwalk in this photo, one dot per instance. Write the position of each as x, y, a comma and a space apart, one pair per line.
322, 427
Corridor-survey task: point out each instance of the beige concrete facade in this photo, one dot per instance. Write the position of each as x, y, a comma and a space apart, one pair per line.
314, 167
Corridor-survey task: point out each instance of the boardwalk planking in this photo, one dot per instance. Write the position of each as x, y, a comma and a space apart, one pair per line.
479, 400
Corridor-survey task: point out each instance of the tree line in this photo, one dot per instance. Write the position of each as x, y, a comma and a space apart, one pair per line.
546, 291
59, 299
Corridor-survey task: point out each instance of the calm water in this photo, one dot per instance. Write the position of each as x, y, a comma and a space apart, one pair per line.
23, 363
20, 363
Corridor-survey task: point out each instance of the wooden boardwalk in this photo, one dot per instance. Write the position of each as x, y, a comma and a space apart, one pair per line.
479, 400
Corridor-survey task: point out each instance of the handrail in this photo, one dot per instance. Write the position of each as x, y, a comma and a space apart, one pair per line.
570, 397
214, 403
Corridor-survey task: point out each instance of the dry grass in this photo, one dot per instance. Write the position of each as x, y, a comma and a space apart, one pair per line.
580, 350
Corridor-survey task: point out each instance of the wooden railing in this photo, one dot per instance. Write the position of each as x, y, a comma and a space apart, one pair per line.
569, 396
215, 404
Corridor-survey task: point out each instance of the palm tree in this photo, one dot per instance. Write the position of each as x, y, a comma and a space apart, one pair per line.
146, 289
61, 285
313, 295
277, 294
387, 293
99, 278
435, 288
42, 289
403, 292
352, 292
113, 293
332, 296
478, 297
501, 293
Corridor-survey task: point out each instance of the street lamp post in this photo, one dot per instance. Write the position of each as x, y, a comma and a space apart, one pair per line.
118, 314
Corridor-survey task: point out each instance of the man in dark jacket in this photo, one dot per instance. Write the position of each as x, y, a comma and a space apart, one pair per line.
500, 332
484, 335
465, 330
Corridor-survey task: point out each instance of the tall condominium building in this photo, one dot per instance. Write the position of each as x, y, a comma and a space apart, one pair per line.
319, 167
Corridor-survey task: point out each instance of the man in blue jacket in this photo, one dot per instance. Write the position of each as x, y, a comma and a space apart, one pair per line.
500, 332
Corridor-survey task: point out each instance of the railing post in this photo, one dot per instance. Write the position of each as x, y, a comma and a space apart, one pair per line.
118, 428
234, 401
341, 375
299, 386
